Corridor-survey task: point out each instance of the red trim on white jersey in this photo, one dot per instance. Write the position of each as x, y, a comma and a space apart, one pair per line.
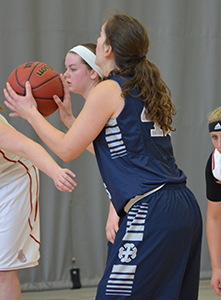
30, 190
8, 159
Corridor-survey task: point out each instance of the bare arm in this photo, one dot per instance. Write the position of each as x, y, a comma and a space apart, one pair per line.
103, 103
65, 109
213, 229
17, 143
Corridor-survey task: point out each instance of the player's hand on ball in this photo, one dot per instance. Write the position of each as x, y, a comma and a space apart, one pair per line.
45, 83
65, 109
63, 180
21, 105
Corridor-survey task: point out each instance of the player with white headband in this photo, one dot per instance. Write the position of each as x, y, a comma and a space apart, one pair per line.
82, 75
88, 56
213, 192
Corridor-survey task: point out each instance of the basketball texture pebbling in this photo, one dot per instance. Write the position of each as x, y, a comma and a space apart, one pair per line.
45, 83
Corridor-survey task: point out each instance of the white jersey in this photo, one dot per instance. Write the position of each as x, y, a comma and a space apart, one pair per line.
11, 165
216, 164
19, 214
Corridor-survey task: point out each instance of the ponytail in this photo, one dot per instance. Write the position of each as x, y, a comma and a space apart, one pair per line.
153, 91
130, 43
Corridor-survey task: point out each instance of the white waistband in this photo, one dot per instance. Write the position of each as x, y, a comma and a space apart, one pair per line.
139, 197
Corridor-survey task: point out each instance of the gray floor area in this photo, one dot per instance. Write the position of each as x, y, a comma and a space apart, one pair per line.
206, 293
75, 294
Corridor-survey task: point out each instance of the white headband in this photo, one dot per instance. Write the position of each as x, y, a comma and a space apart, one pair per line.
88, 56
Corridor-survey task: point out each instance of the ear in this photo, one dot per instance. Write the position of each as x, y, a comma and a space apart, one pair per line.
108, 51
94, 74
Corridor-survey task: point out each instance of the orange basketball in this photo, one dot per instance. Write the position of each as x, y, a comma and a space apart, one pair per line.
45, 83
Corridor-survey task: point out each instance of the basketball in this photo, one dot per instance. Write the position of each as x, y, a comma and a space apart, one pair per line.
45, 83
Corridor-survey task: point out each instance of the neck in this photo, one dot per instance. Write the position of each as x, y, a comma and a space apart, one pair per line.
108, 67
90, 88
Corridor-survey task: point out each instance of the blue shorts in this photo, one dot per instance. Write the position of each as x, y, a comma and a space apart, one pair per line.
156, 253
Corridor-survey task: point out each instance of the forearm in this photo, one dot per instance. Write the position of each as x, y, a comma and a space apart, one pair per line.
39, 157
82, 133
68, 121
213, 229
51, 136
63, 178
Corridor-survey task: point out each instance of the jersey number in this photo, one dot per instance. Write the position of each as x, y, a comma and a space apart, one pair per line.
157, 131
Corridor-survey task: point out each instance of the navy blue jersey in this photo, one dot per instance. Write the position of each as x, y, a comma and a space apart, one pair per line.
133, 154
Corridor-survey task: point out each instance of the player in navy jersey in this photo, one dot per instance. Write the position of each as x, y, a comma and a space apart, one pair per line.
213, 191
128, 117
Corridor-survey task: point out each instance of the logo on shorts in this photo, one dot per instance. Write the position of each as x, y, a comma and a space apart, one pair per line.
127, 252
21, 256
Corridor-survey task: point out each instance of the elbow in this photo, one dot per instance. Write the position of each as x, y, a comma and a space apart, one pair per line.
68, 153
67, 157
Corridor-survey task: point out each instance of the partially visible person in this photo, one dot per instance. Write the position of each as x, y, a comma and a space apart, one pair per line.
19, 215
128, 117
213, 192
81, 76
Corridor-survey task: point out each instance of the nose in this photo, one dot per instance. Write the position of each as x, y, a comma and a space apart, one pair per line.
66, 73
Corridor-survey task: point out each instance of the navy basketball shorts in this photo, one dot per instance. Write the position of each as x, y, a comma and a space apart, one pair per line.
156, 253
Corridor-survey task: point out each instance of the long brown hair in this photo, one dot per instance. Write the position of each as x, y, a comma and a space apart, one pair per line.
130, 43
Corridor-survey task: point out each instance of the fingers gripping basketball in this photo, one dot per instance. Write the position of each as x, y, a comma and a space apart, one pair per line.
45, 83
